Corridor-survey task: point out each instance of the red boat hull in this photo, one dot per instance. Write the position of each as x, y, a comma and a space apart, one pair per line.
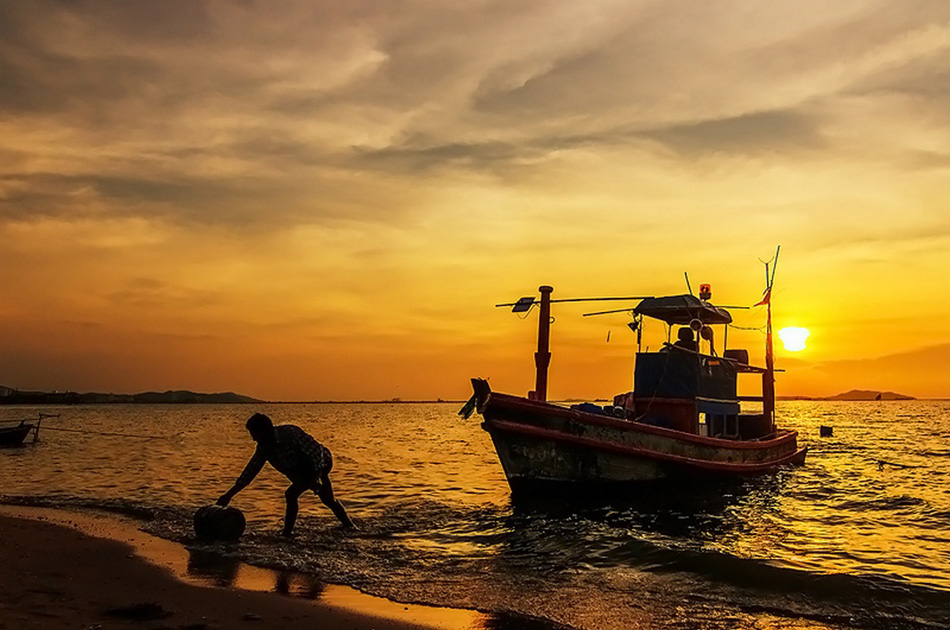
539, 441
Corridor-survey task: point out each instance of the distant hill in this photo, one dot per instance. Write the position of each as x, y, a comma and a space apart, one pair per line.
865, 394
16, 397
178, 396
854, 394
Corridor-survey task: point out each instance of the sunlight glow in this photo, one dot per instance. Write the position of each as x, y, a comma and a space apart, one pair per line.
793, 338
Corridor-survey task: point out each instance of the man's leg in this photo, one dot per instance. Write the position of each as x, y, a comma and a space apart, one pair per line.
325, 491
290, 516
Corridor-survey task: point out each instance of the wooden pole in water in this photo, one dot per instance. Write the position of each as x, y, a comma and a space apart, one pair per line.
542, 358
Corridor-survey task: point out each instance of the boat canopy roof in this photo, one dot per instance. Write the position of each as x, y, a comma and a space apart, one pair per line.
681, 310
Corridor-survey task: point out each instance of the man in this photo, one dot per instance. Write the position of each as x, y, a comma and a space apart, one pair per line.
299, 457
686, 340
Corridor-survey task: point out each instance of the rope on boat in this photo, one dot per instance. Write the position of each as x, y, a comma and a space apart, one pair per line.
755, 328
116, 434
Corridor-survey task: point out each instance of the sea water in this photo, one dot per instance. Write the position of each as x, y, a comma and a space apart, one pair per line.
858, 537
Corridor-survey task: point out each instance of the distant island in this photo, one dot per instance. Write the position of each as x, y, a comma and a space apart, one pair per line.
9, 396
852, 395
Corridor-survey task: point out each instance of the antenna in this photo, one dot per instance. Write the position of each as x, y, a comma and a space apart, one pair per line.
619, 310
770, 266
688, 288
774, 265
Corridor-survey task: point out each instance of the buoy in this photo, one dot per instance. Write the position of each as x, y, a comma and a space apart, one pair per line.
825, 431
215, 522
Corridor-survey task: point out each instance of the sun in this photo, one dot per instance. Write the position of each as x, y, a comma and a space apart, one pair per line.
793, 338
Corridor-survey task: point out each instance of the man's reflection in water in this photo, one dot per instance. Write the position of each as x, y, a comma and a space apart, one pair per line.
298, 585
224, 571
217, 569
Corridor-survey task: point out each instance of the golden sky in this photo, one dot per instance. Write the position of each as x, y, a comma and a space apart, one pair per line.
324, 200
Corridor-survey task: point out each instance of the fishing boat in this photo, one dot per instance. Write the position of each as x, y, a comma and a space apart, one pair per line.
16, 434
683, 417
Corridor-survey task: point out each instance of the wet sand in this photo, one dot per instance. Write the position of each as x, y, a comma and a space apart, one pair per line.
67, 570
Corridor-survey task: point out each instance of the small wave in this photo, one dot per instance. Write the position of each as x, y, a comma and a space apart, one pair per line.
872, 600
881, 504
529, 566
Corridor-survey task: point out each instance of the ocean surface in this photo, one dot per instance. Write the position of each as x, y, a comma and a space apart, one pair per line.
857, 538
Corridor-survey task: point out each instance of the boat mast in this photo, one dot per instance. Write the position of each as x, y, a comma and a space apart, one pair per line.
768, 379
542, 358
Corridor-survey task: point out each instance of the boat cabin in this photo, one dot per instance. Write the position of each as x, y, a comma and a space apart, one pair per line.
685, 388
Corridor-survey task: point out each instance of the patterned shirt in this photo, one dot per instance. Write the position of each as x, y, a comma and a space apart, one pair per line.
294, 453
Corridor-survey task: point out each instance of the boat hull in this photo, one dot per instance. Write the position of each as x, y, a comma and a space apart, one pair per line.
14, 436
541, 442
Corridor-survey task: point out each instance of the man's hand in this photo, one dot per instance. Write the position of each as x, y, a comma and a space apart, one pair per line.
224, 499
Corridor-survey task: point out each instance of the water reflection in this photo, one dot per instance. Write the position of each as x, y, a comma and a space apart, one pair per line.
213, 567
298, 585
685, 508
222, 570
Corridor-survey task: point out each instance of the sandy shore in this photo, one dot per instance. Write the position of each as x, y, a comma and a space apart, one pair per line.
77, 571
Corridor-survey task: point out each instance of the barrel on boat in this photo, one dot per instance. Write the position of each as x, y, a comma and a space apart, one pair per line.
215, 522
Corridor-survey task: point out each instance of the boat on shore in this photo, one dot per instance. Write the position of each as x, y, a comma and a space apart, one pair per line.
683, 417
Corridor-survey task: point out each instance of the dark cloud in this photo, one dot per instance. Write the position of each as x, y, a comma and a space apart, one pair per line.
41, 82
151, 293
54, 194
246, 203
56, 56
307, 104
925, 80
926, 160
232, 201
425, 154
756, 133
418, 156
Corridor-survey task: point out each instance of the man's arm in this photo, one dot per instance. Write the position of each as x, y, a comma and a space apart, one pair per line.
253, 467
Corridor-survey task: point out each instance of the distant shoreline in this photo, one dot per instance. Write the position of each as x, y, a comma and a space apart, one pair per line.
854, 395
16, 397
185, 397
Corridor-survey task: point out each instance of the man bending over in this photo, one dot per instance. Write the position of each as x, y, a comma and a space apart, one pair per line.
303, 460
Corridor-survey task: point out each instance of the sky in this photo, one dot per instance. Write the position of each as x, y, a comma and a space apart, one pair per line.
304, 200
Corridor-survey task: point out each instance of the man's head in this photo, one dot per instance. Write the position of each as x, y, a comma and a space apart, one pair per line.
685, 334
261, 428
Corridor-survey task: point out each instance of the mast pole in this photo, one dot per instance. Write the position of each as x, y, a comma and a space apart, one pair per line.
768, 379
542, 358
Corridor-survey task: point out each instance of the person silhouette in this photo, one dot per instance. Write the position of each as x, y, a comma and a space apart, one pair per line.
685, 339
299, 457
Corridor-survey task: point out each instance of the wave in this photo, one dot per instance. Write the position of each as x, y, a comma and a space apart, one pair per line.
573, 569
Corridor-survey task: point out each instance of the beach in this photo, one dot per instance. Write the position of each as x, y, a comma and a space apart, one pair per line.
72, 570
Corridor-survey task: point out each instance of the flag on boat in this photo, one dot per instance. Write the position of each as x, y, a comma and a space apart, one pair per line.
765, 298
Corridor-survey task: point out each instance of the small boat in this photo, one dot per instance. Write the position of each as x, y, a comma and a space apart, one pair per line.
683, 417
15, 435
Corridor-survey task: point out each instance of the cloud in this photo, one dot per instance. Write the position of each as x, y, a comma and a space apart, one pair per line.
268, 166
211, 113
151, 293
761, 132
